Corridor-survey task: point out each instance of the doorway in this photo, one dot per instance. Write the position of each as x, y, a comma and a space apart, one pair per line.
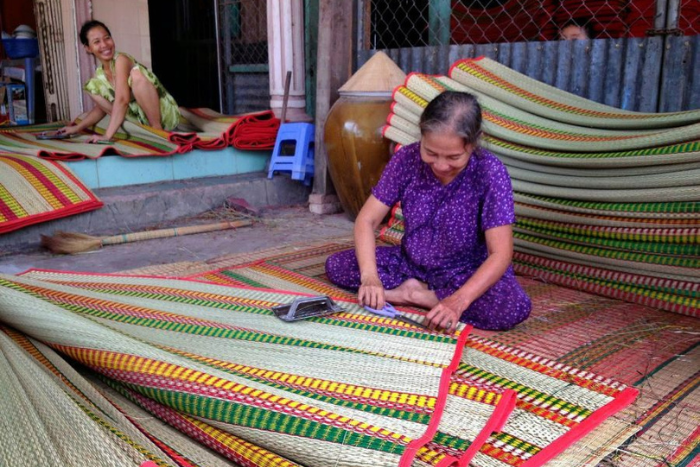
183, 50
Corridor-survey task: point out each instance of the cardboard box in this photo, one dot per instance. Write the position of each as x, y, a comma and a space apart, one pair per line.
14, 72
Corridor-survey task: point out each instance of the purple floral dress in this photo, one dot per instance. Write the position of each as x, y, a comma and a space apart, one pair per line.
444, 242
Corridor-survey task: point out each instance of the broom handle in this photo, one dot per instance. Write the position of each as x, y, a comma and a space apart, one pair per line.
174, 232
285, 99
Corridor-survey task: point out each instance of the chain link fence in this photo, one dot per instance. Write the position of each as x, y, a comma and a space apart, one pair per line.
390, 24
244, 55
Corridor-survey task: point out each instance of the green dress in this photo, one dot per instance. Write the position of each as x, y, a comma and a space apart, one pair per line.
99, 85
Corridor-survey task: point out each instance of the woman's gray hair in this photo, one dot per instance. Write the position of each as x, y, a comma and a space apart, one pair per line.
454, 111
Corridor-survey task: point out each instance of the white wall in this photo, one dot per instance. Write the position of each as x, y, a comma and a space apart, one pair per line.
128, 22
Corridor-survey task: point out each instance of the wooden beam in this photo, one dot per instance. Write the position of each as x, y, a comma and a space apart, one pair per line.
334, 67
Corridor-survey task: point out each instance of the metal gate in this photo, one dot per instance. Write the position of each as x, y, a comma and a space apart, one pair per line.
643, 54
244, 58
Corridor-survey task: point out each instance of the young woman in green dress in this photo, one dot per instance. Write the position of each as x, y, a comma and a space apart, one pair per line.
122, 88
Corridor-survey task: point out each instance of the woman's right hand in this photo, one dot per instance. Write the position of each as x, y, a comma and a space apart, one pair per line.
371, 292
69, 130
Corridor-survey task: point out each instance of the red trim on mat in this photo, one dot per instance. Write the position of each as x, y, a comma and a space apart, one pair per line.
57, 214
496, 422
444, 389
465, 60
110, 150
396, 89
625, 398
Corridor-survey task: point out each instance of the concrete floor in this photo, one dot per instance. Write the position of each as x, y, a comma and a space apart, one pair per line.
279, 226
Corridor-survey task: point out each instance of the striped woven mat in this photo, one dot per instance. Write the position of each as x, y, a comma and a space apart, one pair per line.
378, 392
56, 415
652, 350
33, 190
200, 129
649, 266
526, 136
505, 84
351, 388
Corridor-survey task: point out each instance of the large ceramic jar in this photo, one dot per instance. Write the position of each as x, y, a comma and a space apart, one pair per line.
357, 151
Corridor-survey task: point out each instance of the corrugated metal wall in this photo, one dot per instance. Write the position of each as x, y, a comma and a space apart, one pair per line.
680, 88
633, 74
252, 92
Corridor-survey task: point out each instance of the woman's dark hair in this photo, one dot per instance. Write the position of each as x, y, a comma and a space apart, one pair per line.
455, 111
85, 29
584, 23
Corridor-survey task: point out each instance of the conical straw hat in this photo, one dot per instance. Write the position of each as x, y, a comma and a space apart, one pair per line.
379, 75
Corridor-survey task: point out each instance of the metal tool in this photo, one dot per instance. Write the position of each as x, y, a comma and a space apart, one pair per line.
52, 135
390, 312
306, 307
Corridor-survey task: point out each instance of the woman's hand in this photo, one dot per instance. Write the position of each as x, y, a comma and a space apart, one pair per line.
99, 139
371, 292
69, 130
445, 314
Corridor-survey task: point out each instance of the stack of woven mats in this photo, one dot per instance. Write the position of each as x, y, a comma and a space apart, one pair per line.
607, 200
33, 190
214, 363
200, 129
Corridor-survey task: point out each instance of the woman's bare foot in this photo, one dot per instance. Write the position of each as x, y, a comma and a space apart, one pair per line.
412, 292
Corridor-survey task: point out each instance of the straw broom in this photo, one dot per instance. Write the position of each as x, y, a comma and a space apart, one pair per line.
73, 243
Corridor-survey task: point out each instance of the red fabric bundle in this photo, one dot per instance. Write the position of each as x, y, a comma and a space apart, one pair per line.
257, 131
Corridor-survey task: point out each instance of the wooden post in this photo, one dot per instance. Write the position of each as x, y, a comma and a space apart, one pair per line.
334, 67
439, 12
285, 38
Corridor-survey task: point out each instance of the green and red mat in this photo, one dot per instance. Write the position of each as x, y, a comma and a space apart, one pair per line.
656, 267
33, 190
550, 361
654, 351
200, 129
352, 388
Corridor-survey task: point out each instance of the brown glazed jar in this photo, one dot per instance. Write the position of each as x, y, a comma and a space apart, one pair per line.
357, 151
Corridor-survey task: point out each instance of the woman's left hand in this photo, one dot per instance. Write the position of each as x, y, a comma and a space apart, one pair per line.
445, 314
99, 139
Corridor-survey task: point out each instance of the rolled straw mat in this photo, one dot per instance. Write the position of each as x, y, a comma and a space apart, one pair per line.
505, 84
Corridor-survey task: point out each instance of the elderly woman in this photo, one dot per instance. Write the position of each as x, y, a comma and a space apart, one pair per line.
457, 202
122, 88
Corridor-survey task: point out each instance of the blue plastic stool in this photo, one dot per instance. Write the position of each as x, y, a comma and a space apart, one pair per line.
301, 163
